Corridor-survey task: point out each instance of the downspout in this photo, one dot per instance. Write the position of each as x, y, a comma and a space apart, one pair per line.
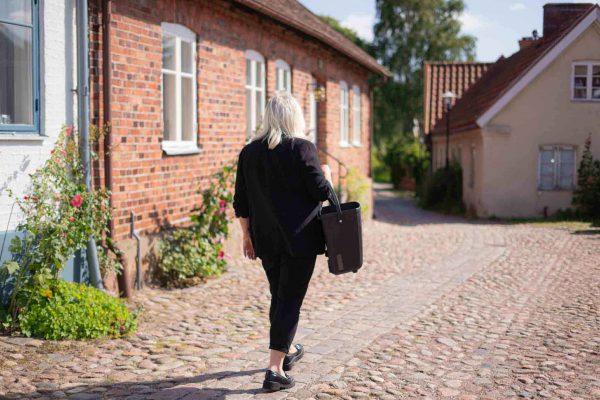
83, 122
123, 277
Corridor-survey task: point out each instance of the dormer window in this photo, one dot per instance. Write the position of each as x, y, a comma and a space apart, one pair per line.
586, 80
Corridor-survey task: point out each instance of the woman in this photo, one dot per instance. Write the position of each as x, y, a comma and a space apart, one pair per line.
278, 194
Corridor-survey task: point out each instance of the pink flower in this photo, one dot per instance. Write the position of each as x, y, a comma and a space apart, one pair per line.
71, 219
77, 201
25, 198
222, 205
221, 254
69, 130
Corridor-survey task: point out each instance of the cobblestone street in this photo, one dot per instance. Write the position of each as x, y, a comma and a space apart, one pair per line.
444, 308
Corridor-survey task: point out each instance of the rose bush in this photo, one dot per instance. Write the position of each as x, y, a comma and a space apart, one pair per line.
59, 216
188, 255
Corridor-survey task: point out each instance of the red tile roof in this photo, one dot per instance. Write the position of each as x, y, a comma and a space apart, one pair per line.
295, 15
441, 77
499, 78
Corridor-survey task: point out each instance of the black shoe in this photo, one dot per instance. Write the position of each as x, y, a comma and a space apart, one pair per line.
274, 382
289, 360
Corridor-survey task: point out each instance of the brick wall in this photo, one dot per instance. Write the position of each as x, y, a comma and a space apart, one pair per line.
160, 189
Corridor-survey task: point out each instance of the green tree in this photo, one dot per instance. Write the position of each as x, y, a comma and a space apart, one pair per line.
587, 196
349, 33
407, 33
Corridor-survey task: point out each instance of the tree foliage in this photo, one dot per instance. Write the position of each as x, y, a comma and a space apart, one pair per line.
587, 196
408, 33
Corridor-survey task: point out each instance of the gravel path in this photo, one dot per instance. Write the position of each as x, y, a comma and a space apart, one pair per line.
443, 308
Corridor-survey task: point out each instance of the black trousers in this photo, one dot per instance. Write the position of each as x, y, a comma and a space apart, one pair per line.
288, 281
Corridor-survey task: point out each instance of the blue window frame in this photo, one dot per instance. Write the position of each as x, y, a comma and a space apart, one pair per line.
19, 66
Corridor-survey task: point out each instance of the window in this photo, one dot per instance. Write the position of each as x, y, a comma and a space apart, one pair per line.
19, 66
255, 91
179, 89
356, 116
312, 105
586, 80
344, 113
557, 168
283, 81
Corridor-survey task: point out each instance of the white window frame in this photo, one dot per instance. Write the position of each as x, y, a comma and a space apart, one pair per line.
180, 146
344, 115
254, 57
283, 74
556, 148
589, 76
312, 112
356, 116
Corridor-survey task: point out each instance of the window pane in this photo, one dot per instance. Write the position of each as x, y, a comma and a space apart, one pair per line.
168, 52
258, 74
596, 93
187, 64
580, 81
581, 70
16, 11
16, 70
248, 113
547, 167
169, 107
187, 108
248, 72
580, 93
259, 107
567, 168
596, 70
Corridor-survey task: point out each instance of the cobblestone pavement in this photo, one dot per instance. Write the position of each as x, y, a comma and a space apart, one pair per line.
443, 309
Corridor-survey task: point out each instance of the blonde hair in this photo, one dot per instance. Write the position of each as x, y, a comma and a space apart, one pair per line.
283, 118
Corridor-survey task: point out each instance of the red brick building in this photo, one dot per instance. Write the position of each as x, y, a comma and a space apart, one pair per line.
181, 85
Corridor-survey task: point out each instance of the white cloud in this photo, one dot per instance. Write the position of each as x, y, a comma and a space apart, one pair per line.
517, 7
361, 23
472, 23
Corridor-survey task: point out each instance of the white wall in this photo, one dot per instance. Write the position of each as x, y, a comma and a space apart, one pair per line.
542, 114
21, 154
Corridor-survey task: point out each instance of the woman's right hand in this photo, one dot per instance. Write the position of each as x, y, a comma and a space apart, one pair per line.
327, 172
249, 248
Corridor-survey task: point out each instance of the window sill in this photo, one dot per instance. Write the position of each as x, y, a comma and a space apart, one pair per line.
180, 148
356, 144
585, 100
556, 190
22, 137
345, 144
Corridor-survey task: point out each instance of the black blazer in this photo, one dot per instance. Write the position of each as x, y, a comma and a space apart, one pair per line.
281, 191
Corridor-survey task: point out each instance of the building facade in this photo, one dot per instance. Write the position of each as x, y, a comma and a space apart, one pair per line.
519, 131
37, 98
179, 87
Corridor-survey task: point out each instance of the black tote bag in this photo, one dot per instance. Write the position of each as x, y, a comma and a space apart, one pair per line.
343, 235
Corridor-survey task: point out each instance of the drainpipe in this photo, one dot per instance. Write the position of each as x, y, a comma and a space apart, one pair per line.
83, 122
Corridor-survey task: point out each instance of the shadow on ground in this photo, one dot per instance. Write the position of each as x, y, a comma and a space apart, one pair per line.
162, 389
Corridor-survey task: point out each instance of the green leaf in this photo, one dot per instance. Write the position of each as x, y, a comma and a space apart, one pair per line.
10, 266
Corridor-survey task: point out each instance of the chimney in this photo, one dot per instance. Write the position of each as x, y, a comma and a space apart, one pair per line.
558, 16
526, 42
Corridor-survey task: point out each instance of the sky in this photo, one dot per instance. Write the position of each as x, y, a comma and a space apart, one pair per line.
497, 24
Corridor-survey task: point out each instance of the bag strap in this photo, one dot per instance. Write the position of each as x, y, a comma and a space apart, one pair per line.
336, 202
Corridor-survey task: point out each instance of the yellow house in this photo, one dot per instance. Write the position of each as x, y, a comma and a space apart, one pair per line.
519, 130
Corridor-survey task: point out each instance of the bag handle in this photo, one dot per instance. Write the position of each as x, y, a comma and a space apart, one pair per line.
336, 202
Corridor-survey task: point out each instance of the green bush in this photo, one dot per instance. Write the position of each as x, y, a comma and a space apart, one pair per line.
358, 189
66, 310
442, 190
406, 158
587, 196
186, 256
